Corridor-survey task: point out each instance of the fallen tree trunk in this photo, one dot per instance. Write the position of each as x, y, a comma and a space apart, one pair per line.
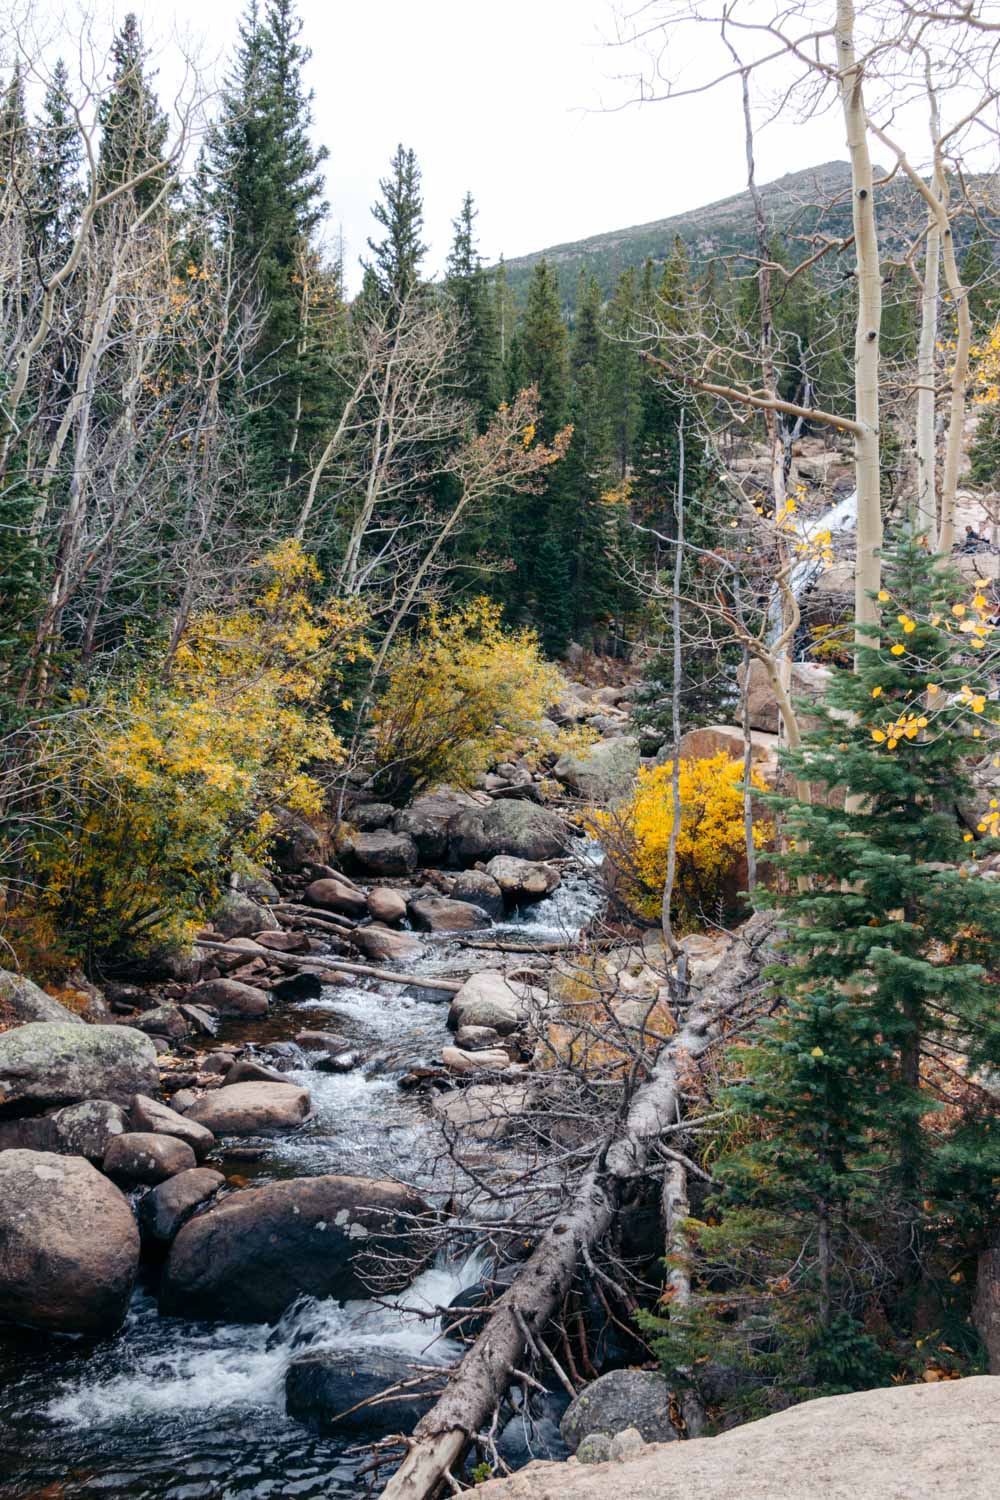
319, 965
478, 1383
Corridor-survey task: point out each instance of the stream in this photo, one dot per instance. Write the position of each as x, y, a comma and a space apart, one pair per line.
176, 1410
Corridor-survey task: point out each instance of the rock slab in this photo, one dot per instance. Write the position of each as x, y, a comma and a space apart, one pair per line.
48, 1063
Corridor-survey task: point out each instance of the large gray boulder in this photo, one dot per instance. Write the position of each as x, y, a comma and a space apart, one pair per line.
337, 895
522, 880
69, 1246
295, 842
439, 914
84, 1129
382, 945
382, 852
490, 999
47, 1063
602, 772
238, 915
26, 1002
481, 890
251, 1108
323, 1389
230, 997
508, 827
248, 1258
617, 1401
484, 1111
427, 821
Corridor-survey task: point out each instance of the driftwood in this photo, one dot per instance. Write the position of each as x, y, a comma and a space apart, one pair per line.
479, 1381
320, 965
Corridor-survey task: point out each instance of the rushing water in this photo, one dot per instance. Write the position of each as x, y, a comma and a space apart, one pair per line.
173, 1410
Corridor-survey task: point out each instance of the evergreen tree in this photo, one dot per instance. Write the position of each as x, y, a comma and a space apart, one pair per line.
551, 613
622, 374
400, 212
133, 126
59, 161
17, 165
868, 1186
542, 349
468, 285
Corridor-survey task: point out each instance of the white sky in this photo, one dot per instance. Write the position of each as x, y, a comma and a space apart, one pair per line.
504, 99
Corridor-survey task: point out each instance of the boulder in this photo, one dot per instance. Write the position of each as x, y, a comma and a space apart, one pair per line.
326, 1042
258, 887
322, 1390
230, 997
508, 827
47, 1063
479, 889
702, 744
167, 1207
295, 842
383, 852
522, 880
153, 1117
483, 1111
251, 1108
619, 1400
439, 914
88, 1128
428, 819
163, 1020
382, 945
238, 915
337, 895
142, 1156
458, 1061
284, 942
26, 1002
476, 1038
490, 999
809, 683
249, 1257
601, 772
252, 1070
69, 1247
386, 906
205, 1022
297, 987
368, 817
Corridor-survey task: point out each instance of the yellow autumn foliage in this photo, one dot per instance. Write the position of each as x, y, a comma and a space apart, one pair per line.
458, 695
188, 760
710, 840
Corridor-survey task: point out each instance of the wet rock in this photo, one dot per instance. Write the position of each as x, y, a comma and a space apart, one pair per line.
250, 1070
619, 1400
141, 1156
484, 1111
47, 1063
151, 1116
383, 945
533, 1431
476, 1038
217, 1062
27, 1002
460, 1062
386, 906
238, 915
522, 880
508, 827
167, 1207
602, 771
490, 999
368, 817
479, 889
200, 1020
230, 997
322, 1388
163, 1021
251, 1108
439, 914
337, 895
284, 942
298, 987
69, 1247
383, 852
322, 1041
249, 1257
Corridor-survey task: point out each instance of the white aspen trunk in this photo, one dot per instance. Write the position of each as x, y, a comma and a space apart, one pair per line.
926, 445
868, 566
959, 381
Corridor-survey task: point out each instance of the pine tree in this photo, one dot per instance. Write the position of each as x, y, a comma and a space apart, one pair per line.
869, 1183
59, 161
17, 164
400, 211
551, 613
622, 374
467, 284
133, 126
542, 349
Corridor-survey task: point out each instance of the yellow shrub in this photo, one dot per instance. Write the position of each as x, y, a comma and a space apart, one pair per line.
710, 841
186, 763
457, 696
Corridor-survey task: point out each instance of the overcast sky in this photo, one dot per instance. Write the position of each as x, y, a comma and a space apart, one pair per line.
504, 99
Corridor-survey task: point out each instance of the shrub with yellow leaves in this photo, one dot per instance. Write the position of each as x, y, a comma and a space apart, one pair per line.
188, 760
457, 695
710, 842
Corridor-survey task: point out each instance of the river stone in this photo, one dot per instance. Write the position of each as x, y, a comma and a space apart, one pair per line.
382, 945
26, 1002
386, 905
327, 1042
457, 1061
490, 999
248, 1258
321, 1389
508, 827
601, 772
295, 842
284, 942
438, 914
383, 852
427, 821
298, 987
337, 895
476, 1038
88, 1128
151, 1115
594, 1449
481, 890
251, 1108
230, 997
367, 817
237, 915
142, 1156
252, 1070
523, 879
69, 1247
619, 1400
483, 1111
162, 1020
164, 1209
47, 1063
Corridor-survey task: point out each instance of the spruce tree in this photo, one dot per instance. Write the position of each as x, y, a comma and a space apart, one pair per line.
542, 357
400, 212
133, 126
868, 1184
467, 284
59, 161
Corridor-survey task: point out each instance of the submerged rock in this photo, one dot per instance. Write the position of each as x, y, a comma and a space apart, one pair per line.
321, 1389
69, 1246
46, 1063
249, 1257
